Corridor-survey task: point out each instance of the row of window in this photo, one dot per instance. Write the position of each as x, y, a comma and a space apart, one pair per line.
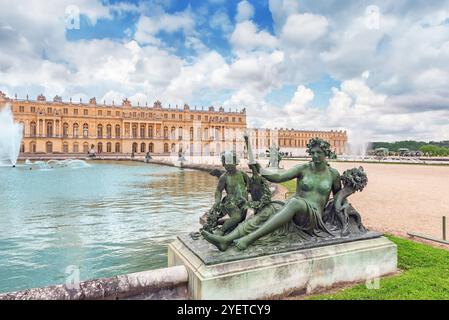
65, 130
217, 134
303, 143
108, 113
75, 147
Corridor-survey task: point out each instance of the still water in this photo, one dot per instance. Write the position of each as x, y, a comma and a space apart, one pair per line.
105, 218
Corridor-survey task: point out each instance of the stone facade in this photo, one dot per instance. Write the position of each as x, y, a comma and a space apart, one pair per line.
52, 127
295, 141
75, 127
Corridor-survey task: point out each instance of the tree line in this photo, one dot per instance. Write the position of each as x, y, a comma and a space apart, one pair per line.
433, 148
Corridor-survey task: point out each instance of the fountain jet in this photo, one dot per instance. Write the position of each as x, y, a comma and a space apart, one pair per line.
10, 136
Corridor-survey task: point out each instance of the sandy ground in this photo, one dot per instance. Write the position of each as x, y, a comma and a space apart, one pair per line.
400, 198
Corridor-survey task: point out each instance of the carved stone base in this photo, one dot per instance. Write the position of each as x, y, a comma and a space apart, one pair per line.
280, 273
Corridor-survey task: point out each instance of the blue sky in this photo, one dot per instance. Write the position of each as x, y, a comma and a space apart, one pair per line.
123, 24
377, 69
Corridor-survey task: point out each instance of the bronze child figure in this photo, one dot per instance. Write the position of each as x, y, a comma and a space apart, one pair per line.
235, 203
339, 211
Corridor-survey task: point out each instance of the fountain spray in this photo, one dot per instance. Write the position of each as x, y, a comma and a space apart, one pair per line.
10, 136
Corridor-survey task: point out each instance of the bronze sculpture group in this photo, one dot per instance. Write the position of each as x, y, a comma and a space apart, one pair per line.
309, 214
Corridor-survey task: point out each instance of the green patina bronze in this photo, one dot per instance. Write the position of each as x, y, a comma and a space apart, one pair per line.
309, 217
238, 186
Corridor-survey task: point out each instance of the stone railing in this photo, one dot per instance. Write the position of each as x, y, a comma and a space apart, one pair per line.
165, 283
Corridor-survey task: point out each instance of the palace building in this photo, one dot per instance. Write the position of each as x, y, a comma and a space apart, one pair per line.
55, 126
294, 142
52, 127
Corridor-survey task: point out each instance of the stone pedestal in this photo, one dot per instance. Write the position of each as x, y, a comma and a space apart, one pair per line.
275, 274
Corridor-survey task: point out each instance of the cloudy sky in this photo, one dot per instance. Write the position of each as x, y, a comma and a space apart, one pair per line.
379, 69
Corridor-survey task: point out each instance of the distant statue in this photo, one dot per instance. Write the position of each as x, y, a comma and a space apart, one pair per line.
148, 157
181, 155
275, 157
304, 215
92, 153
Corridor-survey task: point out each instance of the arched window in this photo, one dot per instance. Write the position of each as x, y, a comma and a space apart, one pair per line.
57, 128
99, 131
49, 147
135, 147
75, 148
198, 134
117, 131
75, 130
33, 147
49, 130
108, 147
165, 147
150, 131
85, 130
173, 133
65, 147
142, 131
217, 134
134, 131
173, 147
85, 147
33, 131
100, 147
22, 148
180, 133
23, 128
191, 133
143, 147
108, 131
117, 147
41, 128
151, 147
217, 149
166, 133
65, 130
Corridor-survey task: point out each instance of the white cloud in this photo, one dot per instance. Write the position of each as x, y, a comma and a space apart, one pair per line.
220, 20
140, 99
148, 27
194, 77
281, 9
245, 11
247, 37
302, 97
301, 29
113, 97
432, 78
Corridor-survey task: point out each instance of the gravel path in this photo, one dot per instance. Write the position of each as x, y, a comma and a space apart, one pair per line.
400, 198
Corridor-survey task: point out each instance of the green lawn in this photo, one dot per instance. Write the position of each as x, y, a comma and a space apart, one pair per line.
424, 274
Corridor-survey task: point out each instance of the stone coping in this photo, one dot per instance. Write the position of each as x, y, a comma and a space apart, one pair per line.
165, 283
210, 255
